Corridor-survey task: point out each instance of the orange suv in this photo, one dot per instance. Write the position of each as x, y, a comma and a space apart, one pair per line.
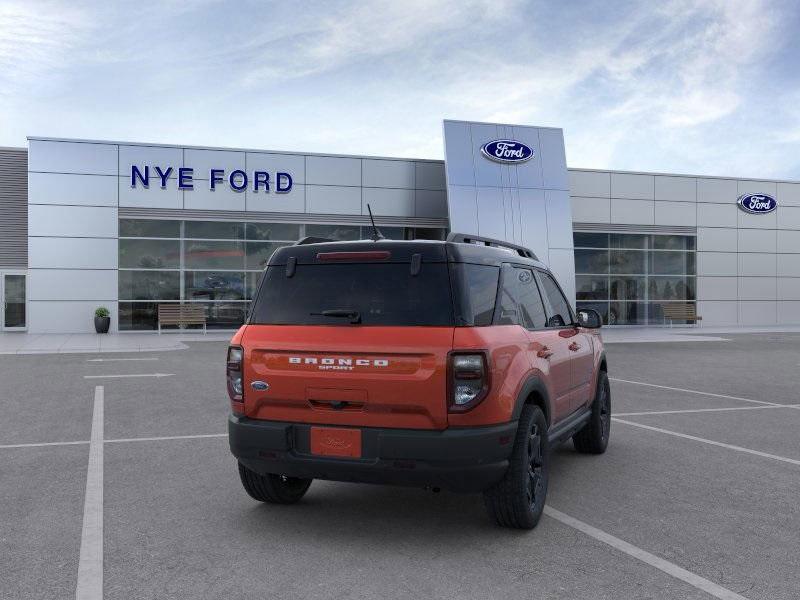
453, 365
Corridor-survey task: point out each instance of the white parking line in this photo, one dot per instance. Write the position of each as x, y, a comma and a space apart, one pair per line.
40, 444
703, 410
792, 461
169, 437
671, 569
119, 359
128, 375
90, 563
118, 440
675, 389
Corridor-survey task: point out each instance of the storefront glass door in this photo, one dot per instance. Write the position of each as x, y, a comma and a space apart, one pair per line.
12, 292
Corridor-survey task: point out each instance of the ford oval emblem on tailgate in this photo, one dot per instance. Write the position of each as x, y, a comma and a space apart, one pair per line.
260, 385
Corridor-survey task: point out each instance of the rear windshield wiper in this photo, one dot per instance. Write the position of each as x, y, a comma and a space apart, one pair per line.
341, 313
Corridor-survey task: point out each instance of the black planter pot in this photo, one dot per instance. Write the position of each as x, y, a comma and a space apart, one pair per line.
101, 324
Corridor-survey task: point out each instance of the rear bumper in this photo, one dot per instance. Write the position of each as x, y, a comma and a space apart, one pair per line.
463, 459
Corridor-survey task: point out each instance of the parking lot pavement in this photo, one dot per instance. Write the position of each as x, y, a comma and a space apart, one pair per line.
703, 496
41, 504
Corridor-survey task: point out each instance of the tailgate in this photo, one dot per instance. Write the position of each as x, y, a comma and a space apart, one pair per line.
343, 375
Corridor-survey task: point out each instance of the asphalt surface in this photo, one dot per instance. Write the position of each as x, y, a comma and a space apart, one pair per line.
721, 504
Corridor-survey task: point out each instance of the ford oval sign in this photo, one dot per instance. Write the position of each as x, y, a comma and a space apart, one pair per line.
757, 204
507, 151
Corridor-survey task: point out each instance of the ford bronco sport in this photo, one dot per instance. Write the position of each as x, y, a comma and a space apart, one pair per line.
451, 365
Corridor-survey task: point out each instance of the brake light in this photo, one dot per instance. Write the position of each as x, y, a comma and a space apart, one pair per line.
468, 380
369, 255
234, 374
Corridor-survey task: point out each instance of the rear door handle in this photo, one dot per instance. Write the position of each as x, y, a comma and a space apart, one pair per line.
544, 352
574, 347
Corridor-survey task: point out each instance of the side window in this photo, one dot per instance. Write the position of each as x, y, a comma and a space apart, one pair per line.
475, 287
561, 315
520, 301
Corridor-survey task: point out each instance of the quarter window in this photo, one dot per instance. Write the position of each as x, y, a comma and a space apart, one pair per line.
560, 314
520, 300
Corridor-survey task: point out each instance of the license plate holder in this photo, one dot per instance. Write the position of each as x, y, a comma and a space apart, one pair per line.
336, 441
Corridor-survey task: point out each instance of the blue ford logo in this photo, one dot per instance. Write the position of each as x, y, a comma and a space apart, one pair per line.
757, 204
507, 151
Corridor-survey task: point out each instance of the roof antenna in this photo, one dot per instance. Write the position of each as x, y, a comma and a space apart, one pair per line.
376, 233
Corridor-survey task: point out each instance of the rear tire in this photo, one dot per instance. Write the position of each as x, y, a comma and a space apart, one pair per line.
272, 488
593, 438
517, 501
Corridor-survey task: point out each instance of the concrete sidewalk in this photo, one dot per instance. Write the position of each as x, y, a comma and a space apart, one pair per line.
630, 335
65, 343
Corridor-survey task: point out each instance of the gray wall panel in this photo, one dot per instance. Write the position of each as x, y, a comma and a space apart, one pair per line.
73, 157
79, 190
388, 173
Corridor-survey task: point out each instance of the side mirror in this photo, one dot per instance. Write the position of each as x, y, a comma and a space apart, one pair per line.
589, 318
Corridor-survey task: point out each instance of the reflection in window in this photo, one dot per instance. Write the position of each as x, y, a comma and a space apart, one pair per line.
646, 272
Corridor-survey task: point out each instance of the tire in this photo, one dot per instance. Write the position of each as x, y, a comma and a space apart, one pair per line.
275, 489
517, 501
593, 438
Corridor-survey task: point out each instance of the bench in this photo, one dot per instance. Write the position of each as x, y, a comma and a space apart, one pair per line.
181, 314
681, 312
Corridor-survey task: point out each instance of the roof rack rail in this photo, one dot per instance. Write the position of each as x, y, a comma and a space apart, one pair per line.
466, 238
312, 240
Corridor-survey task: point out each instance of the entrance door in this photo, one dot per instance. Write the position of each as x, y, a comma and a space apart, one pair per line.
12, 292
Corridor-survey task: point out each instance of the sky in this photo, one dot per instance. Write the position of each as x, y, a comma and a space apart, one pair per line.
708, 87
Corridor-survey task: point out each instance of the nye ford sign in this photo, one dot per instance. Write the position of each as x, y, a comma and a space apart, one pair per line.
238, 180
507, 151
757, 204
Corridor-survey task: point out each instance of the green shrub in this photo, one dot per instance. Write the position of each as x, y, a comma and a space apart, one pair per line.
101, 312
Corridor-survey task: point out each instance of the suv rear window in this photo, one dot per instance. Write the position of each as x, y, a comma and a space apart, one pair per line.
382, 294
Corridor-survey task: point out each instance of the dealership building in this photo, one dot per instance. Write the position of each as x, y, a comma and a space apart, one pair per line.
131, 226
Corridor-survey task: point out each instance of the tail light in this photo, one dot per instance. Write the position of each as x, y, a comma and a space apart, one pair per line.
468, 380
234, 373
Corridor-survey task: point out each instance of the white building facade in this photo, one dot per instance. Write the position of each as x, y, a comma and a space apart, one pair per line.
130, 226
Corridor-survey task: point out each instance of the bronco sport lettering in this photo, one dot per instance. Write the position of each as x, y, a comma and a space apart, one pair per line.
455, 364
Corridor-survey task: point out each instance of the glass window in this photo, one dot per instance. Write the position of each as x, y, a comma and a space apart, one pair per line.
210, 285
591, 287
671, 288
560, 315
334, 232
149, 254
590, 240
672, 263
149, 285
200, 254
149, 228
427, 233
627, 313
628, 240
643, 268
381, 293
476, 291
627, 288
628, 261
214, 230
591, 261
224, 315
135, 316
672, 242
258, 254
272, 231
520, 301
